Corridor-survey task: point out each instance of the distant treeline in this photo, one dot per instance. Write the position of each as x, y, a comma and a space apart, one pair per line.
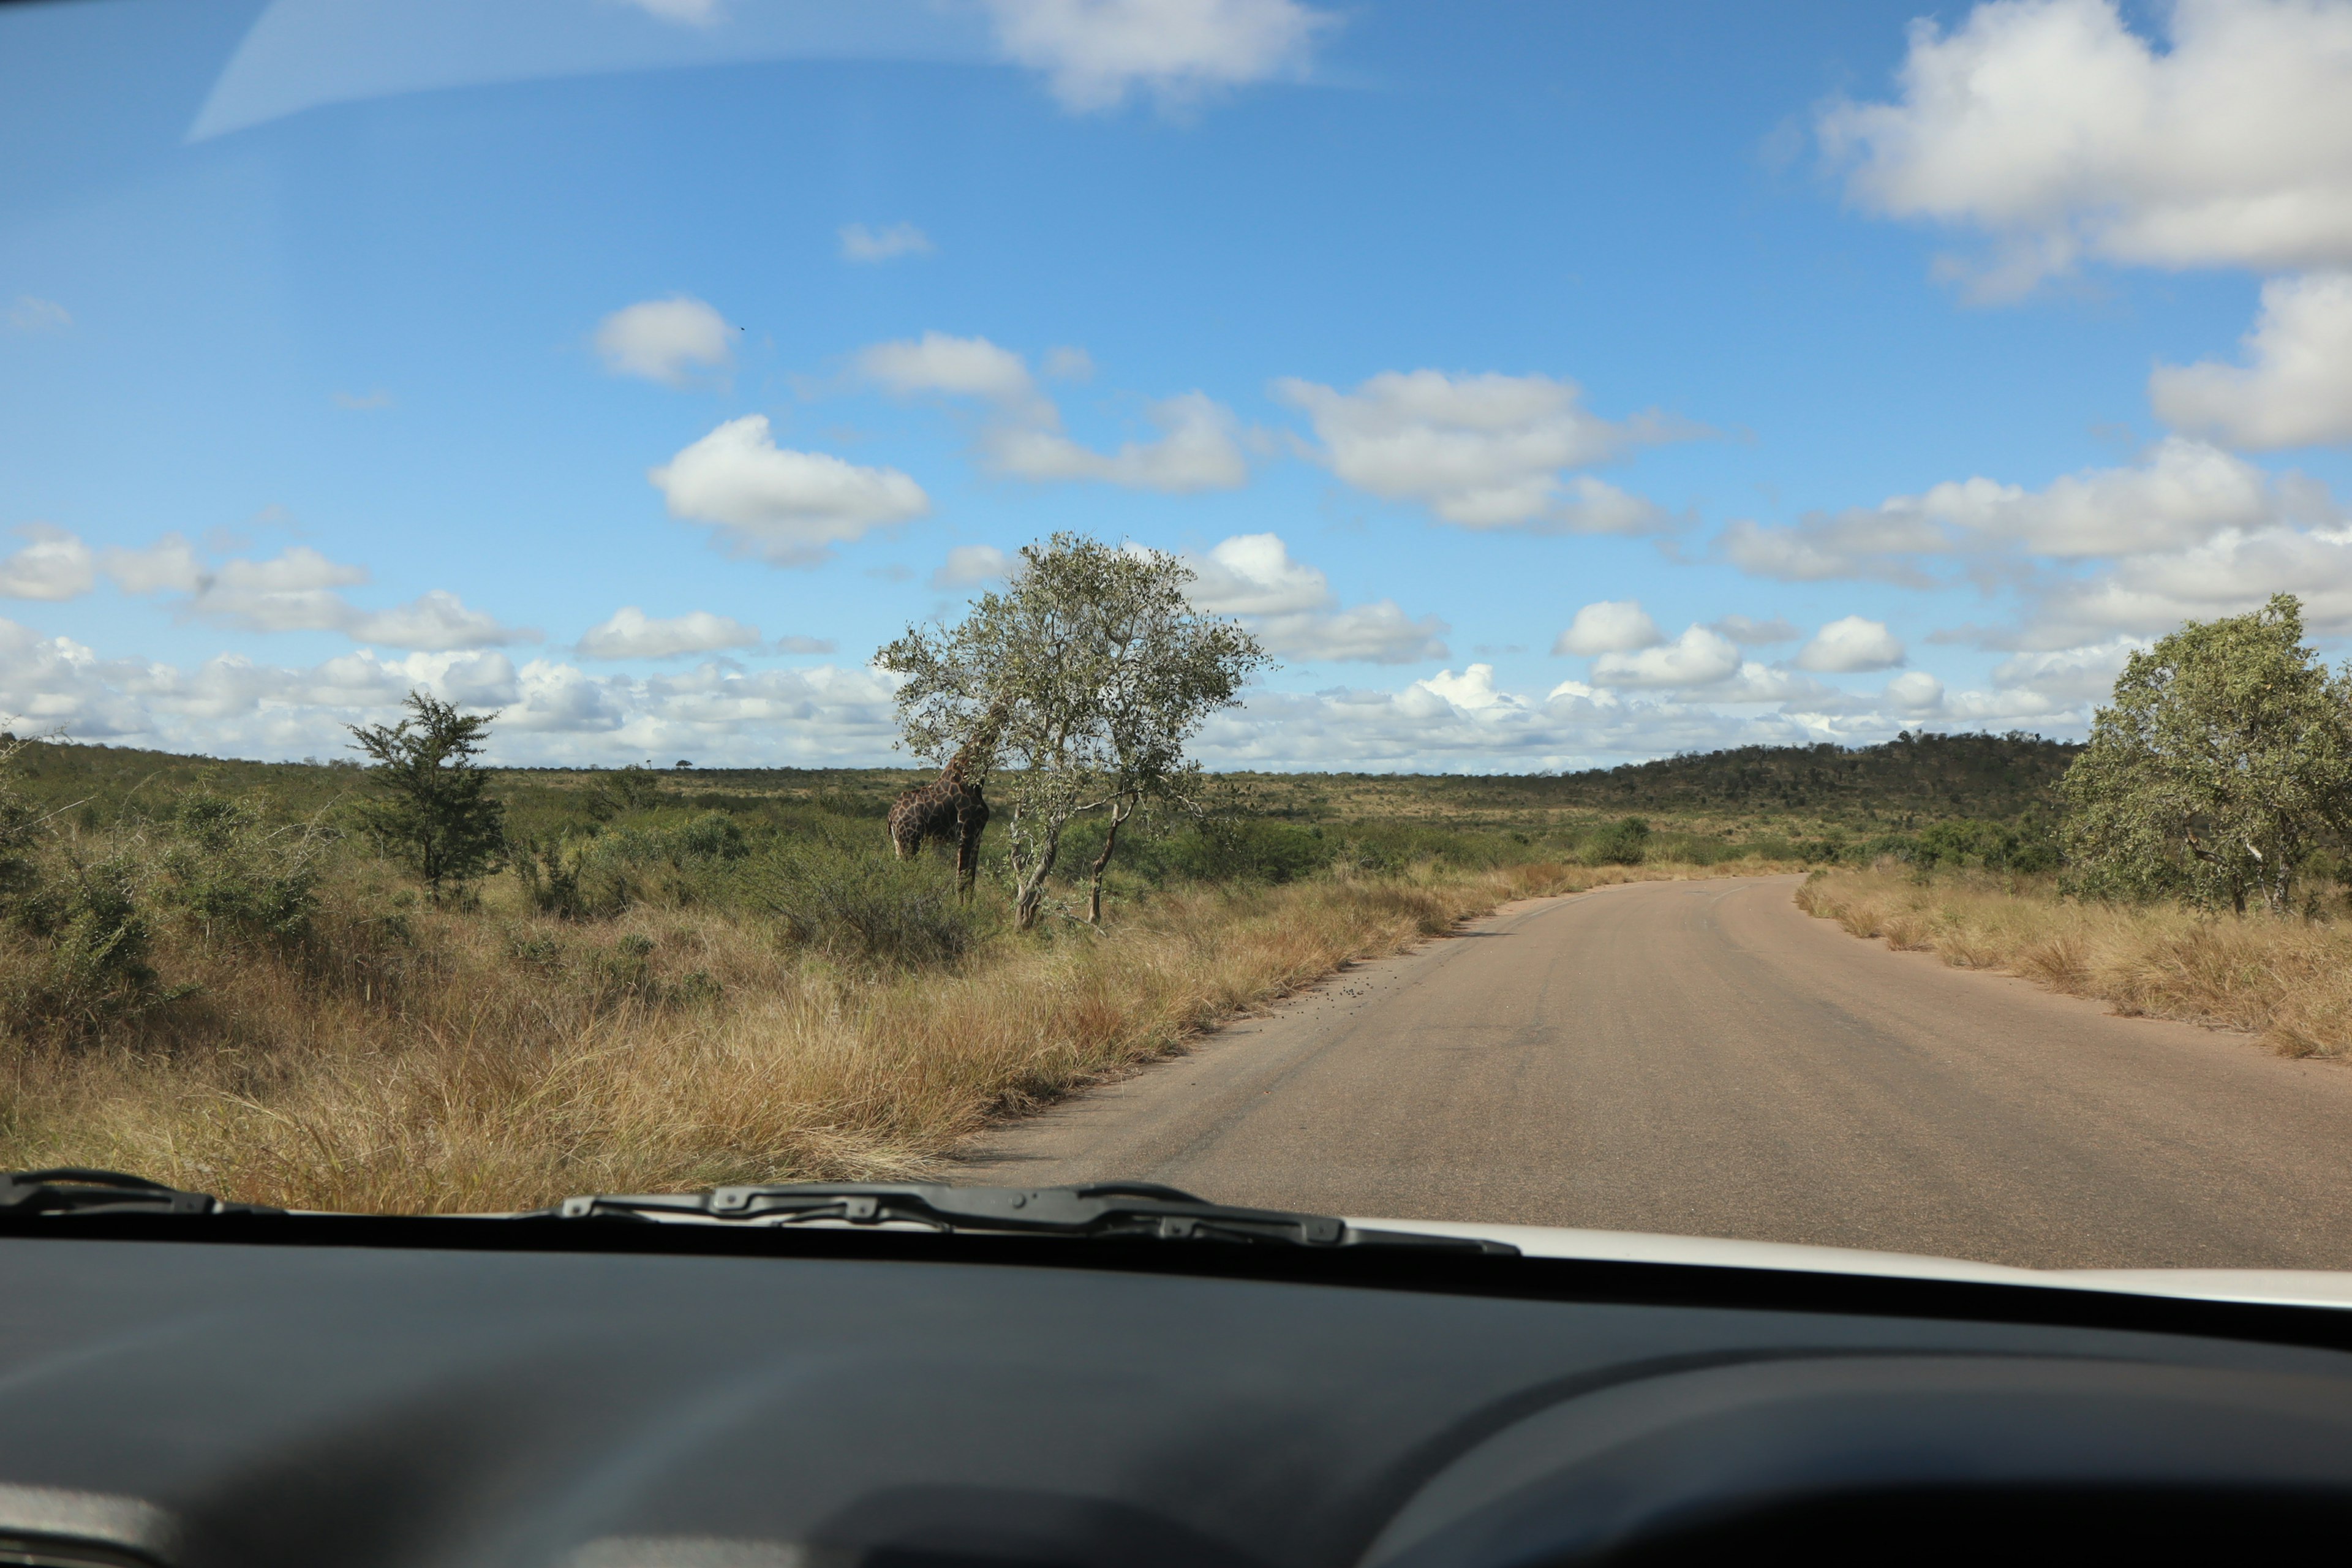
1927, 775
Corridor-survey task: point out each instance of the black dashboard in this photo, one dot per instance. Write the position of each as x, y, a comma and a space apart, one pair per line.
857, 1400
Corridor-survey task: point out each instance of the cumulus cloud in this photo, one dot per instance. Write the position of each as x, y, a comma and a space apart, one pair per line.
630, 632
955, 367
1915, 692
665, 340
2182, 492
1698, 657
2058, 131
786, 507
1612, 626
1291, 607
1095, 53
2295, 389
2084, 674
300, 590
2234, 571
434, 621
1484, 451
30, 313
1197, 449
1749, 632
170, 565
972, 563
859, 242
1849, 645
54, 566
1197, 446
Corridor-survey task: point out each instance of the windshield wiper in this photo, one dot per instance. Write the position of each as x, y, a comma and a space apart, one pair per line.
73, 1189
1119, 1210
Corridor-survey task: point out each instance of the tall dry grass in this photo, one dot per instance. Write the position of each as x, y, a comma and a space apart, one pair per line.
470, 1062
2287, 980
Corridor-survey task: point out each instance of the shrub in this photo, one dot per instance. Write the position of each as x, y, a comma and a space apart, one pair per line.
234, 875
862, 908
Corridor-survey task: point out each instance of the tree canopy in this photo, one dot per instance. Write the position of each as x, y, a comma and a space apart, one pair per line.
1084, 680
2223, 763
431, 805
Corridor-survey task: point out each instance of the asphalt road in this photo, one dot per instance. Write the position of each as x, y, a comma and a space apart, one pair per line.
1703, 1058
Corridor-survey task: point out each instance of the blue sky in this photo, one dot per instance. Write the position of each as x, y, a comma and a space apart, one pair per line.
1549, 384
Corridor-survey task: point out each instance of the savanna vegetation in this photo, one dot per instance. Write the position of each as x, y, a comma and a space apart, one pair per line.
410, 979
2203, 854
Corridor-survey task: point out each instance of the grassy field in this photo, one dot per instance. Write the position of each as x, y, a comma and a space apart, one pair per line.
2288, 981
681, 978
698, 974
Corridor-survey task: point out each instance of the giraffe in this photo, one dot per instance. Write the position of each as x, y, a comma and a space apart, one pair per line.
951, 808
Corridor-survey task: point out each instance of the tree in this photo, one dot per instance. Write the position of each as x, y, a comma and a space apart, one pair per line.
1085, 678
433, 804
2224, 761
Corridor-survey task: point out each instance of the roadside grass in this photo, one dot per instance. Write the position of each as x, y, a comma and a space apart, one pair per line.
440, 1061
2286, 980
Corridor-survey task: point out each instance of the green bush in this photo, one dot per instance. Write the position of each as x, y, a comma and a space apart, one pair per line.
865, 907
235, 876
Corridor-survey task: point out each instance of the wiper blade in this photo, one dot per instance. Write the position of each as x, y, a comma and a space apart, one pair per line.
1115, 1210
77, 1190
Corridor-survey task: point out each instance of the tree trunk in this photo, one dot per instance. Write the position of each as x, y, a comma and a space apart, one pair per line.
1094, 873
1031, 893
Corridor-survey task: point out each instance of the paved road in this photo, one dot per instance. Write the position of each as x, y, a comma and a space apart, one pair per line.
1703, 1058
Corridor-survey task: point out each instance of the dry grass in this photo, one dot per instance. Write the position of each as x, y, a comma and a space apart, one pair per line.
2286, 980
473, 1062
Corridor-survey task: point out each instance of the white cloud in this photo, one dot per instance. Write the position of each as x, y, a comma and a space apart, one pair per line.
2230, 573
1915, 692
1698, 657
788, 508
859, 242
665, 340
2181, 492
2055, 128
630, 632
434, 621
298, 590
2295, 390
1749, 632
1484, 451
1291, 607
294, 591
1068, 363
1612, 626
31, 313
970, 563
1198, 447
170, 565
1849, 645
952, 366
2085, 674
55, 565
1095, 52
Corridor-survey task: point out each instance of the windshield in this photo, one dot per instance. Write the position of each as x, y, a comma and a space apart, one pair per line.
1708, 619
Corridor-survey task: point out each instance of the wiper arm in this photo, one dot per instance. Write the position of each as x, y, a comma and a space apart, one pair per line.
75, 1189
1120, 1210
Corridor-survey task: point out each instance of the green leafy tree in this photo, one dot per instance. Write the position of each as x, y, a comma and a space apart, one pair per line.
1085, 678
433, 806
2224, 761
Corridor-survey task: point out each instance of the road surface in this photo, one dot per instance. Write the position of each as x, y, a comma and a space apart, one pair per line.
1703, 1058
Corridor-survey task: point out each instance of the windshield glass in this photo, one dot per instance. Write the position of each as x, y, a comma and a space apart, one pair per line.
1697, 618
